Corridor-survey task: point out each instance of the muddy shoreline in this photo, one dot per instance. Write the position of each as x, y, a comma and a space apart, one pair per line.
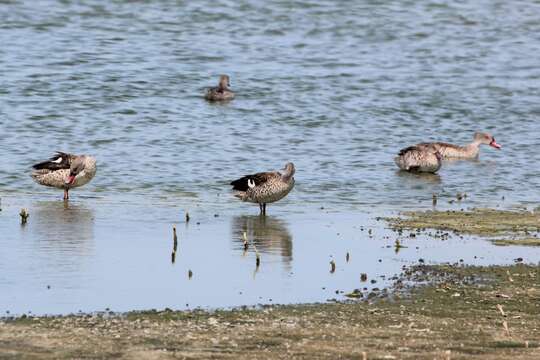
502, 227
442, 311
436, 312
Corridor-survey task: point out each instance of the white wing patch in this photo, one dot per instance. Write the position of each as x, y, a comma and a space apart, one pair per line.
251, 183
58, 161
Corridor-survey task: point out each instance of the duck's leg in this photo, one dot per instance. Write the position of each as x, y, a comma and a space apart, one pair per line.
66, 194
264, 209
261, 208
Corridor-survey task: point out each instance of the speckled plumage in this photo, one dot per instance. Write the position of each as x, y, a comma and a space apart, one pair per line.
265, 187
220, 92
56, 171
419, 159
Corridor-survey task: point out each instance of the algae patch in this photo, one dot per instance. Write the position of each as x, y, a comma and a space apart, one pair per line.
512, 227
518, 242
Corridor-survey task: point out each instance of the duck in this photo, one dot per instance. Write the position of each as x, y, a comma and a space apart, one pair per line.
265, 187
470, 151
419, 159
65, 171
220, 92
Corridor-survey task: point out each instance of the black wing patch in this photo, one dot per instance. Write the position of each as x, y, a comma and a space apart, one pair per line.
407, 149
59, 161
242, 184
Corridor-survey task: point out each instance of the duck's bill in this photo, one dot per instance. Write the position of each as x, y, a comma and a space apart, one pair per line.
70, 180
494, 144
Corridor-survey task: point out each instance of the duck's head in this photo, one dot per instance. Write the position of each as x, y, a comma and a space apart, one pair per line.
289, 169
485, 138
77, 166
224, 81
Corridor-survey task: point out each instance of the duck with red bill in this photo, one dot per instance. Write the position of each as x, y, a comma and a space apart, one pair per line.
70, 179
494, 144
469, 151
65, 171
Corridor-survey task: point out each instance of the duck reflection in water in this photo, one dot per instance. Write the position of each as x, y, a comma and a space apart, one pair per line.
63, 229
428, 178
269, 234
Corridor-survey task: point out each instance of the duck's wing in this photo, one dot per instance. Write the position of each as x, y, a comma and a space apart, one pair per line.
421, 157
214, 90
410, 149
438, 145
249, 181
59, 161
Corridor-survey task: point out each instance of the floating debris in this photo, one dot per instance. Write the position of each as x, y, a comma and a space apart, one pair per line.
461, 196
24, 216
175, 239
434, 199
187, 217
363, 277
257, 255
398, 246
332, 266
347, 257
190, 274
246, 242
355, 294
175, 245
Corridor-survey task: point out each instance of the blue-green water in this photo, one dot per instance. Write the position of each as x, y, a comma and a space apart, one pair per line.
336, 87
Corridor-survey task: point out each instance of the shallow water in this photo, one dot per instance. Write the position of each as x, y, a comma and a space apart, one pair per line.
335, 87
91, 255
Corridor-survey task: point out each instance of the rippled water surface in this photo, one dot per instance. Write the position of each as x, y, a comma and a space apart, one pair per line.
336, 87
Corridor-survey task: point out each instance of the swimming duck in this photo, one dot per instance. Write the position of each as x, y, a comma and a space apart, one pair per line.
65, 171
220, 92
265, 187
419, 159
471, 151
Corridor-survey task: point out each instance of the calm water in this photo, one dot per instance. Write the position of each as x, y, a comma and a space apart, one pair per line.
336, 87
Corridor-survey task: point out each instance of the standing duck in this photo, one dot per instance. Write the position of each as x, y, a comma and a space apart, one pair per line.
65, 171
220, 92
419, 159
265, 187
471, 151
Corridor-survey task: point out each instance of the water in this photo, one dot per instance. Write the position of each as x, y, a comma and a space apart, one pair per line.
89, 257
335, 87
